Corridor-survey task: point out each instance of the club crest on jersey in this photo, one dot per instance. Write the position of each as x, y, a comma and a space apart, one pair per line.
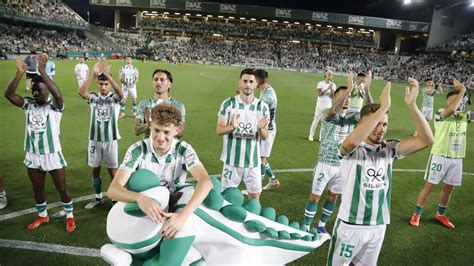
374, 179
245, 130
37, 122
102, 113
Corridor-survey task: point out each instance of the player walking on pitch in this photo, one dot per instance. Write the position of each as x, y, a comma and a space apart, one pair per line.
129, 78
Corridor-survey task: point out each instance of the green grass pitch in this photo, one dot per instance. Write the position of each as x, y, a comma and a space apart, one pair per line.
202, 89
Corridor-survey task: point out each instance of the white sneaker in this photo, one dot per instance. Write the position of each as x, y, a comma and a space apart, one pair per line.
272, 185
59, 214
311, 138
3, 202
94, 203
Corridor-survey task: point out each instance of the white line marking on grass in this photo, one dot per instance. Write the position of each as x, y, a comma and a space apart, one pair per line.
54, 248
300, 170
50, 206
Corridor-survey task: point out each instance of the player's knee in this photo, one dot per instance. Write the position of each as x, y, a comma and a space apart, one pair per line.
314, 198
332, 196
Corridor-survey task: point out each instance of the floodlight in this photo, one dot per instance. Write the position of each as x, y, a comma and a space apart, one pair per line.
406, 2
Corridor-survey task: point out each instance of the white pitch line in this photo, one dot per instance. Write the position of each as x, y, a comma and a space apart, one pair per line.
54, 248
300, 170
50, 206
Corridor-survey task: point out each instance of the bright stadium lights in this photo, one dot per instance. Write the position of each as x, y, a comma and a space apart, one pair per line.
286, 22
231, 17
339, 27
472, 3
154, 12
318, 25
264, 20
406, 2
216, 35
166, 13
187, 14
209, 16
275, 21
349, 32
242, 18
295, 41
220, 16
371, 30
177, 13
253, 19
362, 29
329, 26
350, 28
198, 15
307, 24
297, 23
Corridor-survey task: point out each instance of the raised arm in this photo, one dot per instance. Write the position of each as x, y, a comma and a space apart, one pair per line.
105, 68
456, 102
84, 89
368, 96
424, 137
10, 92
367, 124
52, 87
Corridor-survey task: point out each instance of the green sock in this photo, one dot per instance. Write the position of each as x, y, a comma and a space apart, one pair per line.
310, 212
328, 208
67, 206
441, 210
269, 172
262, 170
134, 108
41, 208
418, 210
97, 185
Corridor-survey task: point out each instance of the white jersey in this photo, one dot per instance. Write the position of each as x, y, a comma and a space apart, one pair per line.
81, 71
367, 174
241, 148
324, 101
129, 75
170, 168
104, 117
42, 127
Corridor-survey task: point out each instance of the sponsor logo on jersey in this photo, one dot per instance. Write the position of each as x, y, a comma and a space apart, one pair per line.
374, 179
245, 130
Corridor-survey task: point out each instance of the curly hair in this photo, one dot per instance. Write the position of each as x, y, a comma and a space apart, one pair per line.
164, 114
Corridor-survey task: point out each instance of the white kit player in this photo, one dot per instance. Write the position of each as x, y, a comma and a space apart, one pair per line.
326, 90
82, 72
103, 130
366, 166
243, 122
129, 79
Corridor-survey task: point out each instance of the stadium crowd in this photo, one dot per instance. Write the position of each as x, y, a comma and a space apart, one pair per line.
261, 30
458, 42
54, 11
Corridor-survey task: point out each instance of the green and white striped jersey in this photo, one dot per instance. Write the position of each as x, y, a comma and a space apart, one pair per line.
357, 100
152, 102
269, 97
129, 74
42, 127
104, 117
333, 131
428, 100
450, 134
242, 147
367, 175
170, 168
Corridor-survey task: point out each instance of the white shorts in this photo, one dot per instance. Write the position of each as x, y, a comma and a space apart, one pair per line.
80, 82
443, 168
132, 91
324, 174
427, 113
101, 150
45, 162
266, 145
232, 176
359, 244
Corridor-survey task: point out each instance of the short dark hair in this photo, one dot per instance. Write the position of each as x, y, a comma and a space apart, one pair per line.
261, 75
340, 89
128, 56
168, 74
361, 75
428, 79
369, 109
247, 71
36, 80
102, 77
451, 93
